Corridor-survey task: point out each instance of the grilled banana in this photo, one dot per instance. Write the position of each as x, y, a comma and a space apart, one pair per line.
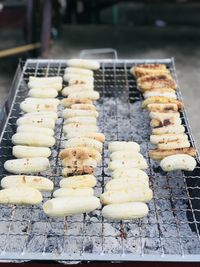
166, 92
161, 100
96, 136
66, 206
124, 196
77, 88
30, 152
84, 142
125, 211
32, 139
83, 120
163, 108
125, 155
83, 64
93, 95
127, 184
38, 182
77, 170
162, 116
36, 121
67, 102
20, 196
174, 145
174, 129
178, 162
70, 192
27, 165
41, 93
158, 154
132, 173
68, 113
135, 163
80, 71
148, 69
122, 145
33, 129
164, 138
156, 123
80, 181
80, 153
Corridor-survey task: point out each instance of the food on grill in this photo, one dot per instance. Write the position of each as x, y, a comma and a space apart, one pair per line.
33, 139
45, 83
163, 108
27, 165
125, 211
173, 144
48, 101
93, 95
158, 154
83, 106
36, 121
30, 152
38, 182
124, 196
79, 71
133, 173
79, 162
127, 184
80, 153
20, 196
67, 102
84, 64
85, 142
71, 127
162, 116
178, 162
122, 145
47, 114
156, 123
77, 170
135, 163
161, 100
71, 192
76, 89
79, 181
156, 81
85, 120
166, 92
78, 77
81, 81
155, 139
46, 80
37, 107
125, 155
41, 93
148, 69
174, 129
66, 206
68, 113
33, 129
97, 136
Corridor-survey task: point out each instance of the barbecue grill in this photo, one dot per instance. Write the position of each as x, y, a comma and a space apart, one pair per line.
170, 232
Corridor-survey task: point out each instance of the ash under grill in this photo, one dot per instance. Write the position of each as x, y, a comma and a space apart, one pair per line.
170, 232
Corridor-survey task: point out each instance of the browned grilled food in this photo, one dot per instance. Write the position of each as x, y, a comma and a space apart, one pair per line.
158, 154
77, 170
163, 108
150, 82
83, 106
67, 102
156, 123
148, 69
161, 100
80, 153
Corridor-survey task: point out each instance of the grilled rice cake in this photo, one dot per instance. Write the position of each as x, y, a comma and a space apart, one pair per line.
150, 82
158, 154
161, 100
146, 69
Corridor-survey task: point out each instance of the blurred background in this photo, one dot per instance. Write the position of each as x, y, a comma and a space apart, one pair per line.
136, 29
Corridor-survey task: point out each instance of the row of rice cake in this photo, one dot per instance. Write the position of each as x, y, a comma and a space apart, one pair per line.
168, 134
32, 143
82, 150
128, 191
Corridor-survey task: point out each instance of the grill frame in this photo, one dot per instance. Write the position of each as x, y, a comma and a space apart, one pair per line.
114, 75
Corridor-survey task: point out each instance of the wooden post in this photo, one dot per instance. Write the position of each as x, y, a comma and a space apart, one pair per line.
46, 28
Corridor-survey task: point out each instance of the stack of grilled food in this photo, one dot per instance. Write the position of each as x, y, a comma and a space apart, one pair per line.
128, 191
158, 87
82, 145
32, 143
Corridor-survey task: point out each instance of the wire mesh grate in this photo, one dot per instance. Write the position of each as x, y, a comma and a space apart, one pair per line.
170, 232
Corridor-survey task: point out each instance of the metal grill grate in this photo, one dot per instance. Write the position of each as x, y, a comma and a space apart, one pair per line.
170, 232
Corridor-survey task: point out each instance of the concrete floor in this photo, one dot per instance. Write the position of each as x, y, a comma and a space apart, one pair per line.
181, 43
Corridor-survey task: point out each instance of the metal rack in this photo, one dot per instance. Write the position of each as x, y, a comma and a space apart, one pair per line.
170, 232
